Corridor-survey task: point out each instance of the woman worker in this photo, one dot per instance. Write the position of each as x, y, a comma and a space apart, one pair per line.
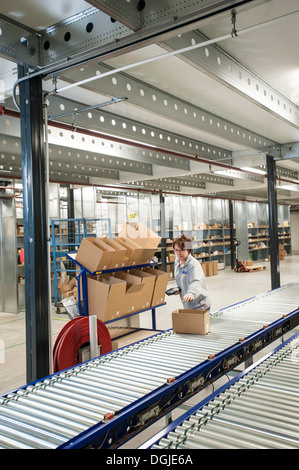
189, 276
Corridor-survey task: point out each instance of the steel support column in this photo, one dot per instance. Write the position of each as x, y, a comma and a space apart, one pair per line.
163, 232
35, 233
273, 222
231, 235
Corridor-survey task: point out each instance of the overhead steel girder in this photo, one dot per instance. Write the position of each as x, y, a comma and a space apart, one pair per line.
233, 173
85, 160
209, 178
110, 123
286, 173
59, 171
152, 185
146, 14
290, 150
93, 33
174, 180
160, 102
136, 157
74, 161
18, 42
86, 31
219, 65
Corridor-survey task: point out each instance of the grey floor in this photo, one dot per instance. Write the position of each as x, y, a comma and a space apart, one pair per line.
226, 288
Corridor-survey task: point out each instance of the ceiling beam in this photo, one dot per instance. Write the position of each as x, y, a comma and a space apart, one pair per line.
160, 102
108, 122
93, 34
18, 42
219, 65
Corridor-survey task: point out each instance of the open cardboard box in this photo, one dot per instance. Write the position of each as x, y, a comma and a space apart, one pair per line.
144, 237
191, 321
120, 258
160, 287
133, 250
94, 254
134, 278
65, 284
140, 234
110, 297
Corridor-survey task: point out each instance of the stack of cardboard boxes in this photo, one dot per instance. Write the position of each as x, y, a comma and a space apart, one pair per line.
210, 268
113, 295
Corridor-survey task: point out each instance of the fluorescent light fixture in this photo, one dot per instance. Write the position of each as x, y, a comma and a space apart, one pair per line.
254, 170
289, 187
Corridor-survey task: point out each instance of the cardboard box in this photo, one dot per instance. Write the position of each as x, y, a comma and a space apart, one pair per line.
144, 299
191, 321
144, 237
161, 280
65, 284
249, 263
140, 234
210, 268
204, 268
94, 254
110, 297
120, 259
215, 267
133, 251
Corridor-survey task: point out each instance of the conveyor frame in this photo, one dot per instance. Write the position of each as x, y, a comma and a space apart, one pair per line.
154, 440
115, 429
165, 398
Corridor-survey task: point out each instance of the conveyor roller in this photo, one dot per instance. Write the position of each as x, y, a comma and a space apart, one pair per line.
104, 401
257, 410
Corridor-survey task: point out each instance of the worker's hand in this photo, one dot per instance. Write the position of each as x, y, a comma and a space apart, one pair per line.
188, 298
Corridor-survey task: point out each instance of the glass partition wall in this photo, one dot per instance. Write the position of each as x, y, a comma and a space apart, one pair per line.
205, 220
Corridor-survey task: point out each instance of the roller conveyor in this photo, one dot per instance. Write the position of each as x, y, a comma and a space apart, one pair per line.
256, 410
103, 402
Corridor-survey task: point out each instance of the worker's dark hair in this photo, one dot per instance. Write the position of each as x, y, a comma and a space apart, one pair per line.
183, 242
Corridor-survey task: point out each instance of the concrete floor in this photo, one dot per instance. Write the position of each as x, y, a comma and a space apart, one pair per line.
226, 288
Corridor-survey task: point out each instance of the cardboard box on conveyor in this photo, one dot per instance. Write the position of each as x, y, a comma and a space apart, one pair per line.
196, 322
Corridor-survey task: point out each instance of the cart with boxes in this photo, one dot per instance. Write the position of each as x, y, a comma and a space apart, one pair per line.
117, 276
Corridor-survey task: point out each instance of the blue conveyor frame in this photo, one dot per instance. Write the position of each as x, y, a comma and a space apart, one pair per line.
171, 427
164, 399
